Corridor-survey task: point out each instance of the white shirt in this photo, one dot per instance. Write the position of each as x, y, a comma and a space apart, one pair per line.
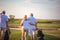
4, 18
33, 21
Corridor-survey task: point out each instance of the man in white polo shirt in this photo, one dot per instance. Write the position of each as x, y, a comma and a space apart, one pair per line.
4, 24
32, 26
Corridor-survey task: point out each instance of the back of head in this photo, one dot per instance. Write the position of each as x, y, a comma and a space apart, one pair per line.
3, 12
31, 14
25, 17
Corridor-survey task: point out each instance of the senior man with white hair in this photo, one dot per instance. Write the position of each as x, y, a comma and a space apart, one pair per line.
33, 26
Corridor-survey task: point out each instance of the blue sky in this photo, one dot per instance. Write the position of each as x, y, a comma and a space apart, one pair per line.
42, 9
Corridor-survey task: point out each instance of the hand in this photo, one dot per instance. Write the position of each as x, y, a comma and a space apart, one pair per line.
36, 28
32, 24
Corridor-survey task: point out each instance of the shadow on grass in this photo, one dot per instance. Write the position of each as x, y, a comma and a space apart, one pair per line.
16, 35
51, 37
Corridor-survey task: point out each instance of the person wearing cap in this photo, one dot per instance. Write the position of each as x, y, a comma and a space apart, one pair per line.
33, 26
3, 24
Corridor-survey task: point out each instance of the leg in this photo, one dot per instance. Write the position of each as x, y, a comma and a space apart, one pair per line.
34, 34
32, 37
22, 34
31, 34
0, 33
26, 35
3, 33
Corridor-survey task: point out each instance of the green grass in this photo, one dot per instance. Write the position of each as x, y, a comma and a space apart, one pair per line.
55, 33
49, 35
45, 25
15, 35
40, 23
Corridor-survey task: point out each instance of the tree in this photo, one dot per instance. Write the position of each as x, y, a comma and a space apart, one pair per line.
11, 17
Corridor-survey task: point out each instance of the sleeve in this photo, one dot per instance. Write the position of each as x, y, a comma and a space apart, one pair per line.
22, 21
35, 20
28, 18
6, 18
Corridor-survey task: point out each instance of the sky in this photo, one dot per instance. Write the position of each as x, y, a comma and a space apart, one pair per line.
42, 9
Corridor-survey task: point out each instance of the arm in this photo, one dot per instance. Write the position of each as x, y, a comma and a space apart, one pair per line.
7, 22
21, 24
7, 25
32, 24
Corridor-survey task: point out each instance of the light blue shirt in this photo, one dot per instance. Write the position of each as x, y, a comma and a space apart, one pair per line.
0, 20
25, 24
4, 18
33, 21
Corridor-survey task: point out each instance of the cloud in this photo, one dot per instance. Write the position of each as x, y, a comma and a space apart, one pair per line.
28, 0
45, 9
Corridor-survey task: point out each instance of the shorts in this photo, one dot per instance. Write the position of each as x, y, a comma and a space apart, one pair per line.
32, 28
25, 28
31, 32
3, 30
